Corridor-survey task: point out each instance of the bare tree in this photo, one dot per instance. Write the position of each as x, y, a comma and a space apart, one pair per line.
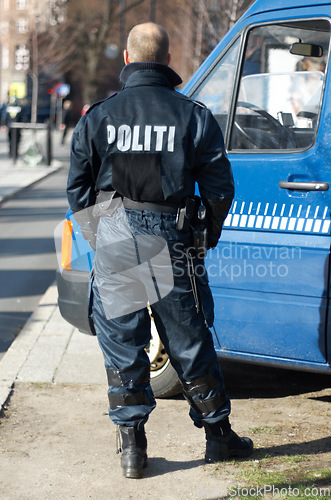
213, 19
235, 9
78, 44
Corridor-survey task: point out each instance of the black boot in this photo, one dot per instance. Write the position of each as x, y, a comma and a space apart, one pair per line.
134, 456
223, 443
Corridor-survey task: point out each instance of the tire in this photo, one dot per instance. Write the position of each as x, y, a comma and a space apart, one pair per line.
164, 379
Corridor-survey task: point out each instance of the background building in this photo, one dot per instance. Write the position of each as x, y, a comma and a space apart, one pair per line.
20, 23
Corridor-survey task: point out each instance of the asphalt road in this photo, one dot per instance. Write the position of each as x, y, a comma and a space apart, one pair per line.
27, 251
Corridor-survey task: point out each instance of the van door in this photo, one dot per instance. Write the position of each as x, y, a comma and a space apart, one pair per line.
270, 272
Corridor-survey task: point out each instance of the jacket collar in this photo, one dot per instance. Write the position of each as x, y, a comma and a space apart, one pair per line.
149, 73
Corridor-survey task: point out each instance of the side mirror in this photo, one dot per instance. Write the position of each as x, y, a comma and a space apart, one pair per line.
306, 49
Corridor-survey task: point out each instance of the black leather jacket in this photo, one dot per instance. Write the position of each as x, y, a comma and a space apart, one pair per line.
149, 143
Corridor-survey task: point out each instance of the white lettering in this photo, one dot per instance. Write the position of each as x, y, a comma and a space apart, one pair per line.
124, 138
135, 140
160, 131
111, 134
148, 135
142, 138
171, 139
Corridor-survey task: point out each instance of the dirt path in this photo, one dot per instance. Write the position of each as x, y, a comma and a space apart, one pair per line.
56, 441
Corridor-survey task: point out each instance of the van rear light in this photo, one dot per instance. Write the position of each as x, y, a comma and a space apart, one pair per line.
66, 245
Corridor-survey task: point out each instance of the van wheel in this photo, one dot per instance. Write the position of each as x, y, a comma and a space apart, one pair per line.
164, 379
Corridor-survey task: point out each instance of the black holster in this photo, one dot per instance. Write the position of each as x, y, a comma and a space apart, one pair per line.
192, 215
200, 234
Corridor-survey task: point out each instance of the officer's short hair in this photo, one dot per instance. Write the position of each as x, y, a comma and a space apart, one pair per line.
148, 42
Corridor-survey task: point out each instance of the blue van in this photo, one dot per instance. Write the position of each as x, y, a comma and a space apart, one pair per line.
268, 86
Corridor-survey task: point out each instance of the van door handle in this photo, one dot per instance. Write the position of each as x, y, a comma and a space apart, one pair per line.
305, 186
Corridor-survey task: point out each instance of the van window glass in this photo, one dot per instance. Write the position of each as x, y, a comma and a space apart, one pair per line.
216, 91
281, 86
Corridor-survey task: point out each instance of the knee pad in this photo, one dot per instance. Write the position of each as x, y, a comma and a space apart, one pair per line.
129, 381
197, 393
128, 378
134, 399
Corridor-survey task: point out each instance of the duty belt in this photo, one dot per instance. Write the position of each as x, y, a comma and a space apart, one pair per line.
161, 206
170, 208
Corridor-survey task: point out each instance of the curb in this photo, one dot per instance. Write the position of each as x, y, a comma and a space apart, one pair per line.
18, 352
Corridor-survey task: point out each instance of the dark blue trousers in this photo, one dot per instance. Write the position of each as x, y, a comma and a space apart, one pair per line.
183, 327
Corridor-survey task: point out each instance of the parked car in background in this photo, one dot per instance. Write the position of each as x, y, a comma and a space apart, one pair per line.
23, 108
268, 84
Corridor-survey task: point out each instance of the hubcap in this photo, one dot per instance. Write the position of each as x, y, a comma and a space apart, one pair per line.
158, 357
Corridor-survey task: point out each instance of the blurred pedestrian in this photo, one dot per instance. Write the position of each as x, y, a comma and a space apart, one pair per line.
13, 114
66, 118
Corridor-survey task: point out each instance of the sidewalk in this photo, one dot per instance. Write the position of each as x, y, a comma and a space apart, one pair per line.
16, 177
50, 350
19, 361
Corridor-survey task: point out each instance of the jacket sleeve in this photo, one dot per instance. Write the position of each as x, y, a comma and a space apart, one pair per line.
81, 192
214, 176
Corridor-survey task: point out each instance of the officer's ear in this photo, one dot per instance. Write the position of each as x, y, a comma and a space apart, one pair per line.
126, 57
168, 59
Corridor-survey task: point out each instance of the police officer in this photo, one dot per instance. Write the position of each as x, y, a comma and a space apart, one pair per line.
147, 146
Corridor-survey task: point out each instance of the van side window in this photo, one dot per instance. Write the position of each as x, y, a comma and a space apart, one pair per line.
281, 86
217, 89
